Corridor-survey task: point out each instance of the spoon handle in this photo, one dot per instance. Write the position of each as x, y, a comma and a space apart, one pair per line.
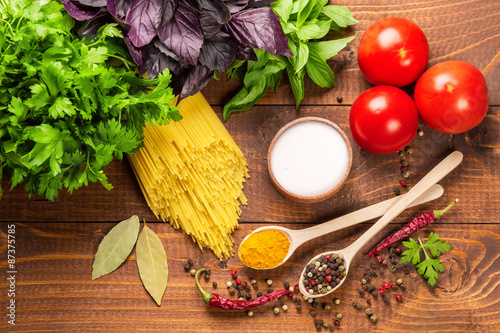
359, 216
435, 175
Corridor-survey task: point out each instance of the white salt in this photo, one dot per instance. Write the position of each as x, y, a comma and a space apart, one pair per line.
309, 158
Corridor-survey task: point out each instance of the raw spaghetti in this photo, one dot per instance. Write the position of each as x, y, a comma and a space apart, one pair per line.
191, 173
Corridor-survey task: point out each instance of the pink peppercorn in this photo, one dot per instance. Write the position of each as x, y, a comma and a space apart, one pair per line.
234, 274
328, 256
402, 183
238, 281
386, 286
328, 278
313, 283
399, 298
381, 290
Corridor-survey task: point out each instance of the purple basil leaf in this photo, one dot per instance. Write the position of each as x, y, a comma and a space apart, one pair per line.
259, 27
81, 12
236, 5
136, 53
215, 8
259, 3
245, 53
209, 25
93, 3
94, 24
159, 45
183, 34
196, 79
218, 52
155, 62
119, 8
169, 7
144, 16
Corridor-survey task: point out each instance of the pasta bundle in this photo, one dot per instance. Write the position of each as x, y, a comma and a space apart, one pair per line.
191, 173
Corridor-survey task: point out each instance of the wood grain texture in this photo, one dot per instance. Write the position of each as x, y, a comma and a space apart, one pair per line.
54, 291
56, 241
373, 178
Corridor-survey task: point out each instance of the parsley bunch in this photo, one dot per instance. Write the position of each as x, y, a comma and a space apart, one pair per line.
430, 267
65, 113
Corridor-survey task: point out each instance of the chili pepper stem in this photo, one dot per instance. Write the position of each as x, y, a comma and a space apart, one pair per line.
206, 296
438, 213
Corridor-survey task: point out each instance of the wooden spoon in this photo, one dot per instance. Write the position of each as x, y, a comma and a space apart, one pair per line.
299, 237
435, 175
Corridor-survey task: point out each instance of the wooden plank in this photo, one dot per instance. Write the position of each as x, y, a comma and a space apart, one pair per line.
455, 30
373, 178
54, 291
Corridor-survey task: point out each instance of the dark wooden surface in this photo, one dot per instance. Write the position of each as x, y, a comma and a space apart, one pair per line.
56, 241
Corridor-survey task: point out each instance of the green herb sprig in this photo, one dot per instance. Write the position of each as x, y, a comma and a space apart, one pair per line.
65, 112
430, 267
304, 22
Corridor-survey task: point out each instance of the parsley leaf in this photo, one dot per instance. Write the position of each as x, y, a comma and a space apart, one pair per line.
430, 267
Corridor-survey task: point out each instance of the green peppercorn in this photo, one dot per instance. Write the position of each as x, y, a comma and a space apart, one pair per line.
327, 307
339, 315
325, 324
369, 311
373, 318
393, 268
363, 281
276, 310
399, 282
336, 301
341, 268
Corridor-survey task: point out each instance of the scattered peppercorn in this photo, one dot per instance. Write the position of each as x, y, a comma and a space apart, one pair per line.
238, 282
269, 282
340, 99
369, 301
312, 313
373, 318
405, 174
398, 251
339, 315
270, 290
363, 281
369, 311
386, 286
186, 267
298, 307
234, 274
336, 322
374, 293
399, 298
259, 294
193, 272
330, 327
403, 183
379, 259
384, 263
208, 271
361, 292
357, 306
276, 310
386, 300
394, 286
381, 290
336, 301
403, 287
397, 191
206, 277
399, 282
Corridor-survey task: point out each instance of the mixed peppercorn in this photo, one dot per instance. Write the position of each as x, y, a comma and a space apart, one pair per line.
324, 274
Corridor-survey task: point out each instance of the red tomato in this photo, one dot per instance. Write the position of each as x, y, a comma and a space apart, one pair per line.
383, 119
451, 97
393, 51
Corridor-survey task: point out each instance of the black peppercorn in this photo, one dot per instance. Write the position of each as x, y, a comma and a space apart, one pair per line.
259, 294
298, 307
206, 277
248, 296
361, 292
374, 293
208, 271
247, 287
214, 284
187, 267
386, 300
340, 99
286, 284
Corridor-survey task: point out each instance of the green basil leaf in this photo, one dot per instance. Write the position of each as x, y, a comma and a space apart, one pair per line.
302, 57
246, 98
115, 247
305, 8
329, 48
274, 80
319, 71
152, 263
341, 15
317, 8
232, 70
297, 84
283, 8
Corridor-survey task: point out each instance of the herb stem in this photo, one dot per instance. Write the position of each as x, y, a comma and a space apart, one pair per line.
423, 248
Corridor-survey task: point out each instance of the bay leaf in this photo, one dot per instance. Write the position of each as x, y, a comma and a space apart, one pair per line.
115, 247
152, 263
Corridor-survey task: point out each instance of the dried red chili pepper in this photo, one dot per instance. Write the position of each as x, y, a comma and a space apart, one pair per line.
228, 304
416, 224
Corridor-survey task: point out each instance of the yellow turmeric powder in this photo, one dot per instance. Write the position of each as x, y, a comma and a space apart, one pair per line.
264, 249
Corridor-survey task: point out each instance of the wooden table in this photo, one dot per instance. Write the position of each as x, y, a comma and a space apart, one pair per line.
56, 241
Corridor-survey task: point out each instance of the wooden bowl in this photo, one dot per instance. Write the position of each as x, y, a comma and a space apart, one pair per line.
314, 198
